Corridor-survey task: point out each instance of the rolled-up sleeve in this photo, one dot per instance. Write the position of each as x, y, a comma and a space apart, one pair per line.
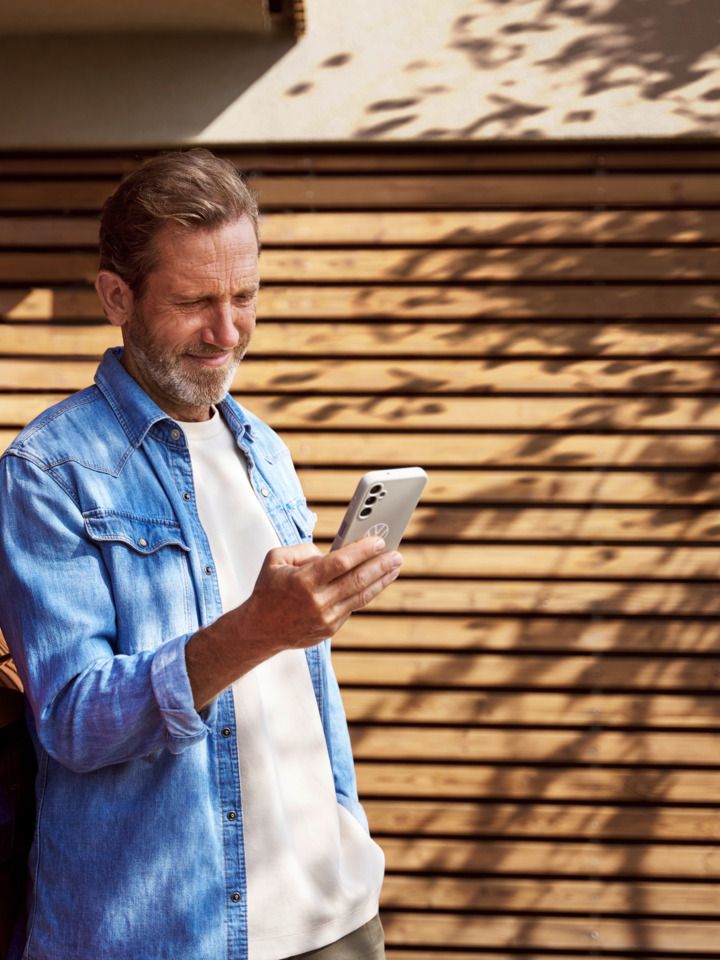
92, 704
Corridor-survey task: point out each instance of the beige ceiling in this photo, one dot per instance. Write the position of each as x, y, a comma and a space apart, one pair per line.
134, 16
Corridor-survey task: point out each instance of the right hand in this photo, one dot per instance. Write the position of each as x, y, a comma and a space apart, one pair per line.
300, 597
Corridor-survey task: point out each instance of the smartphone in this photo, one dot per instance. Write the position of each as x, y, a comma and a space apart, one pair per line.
381, 506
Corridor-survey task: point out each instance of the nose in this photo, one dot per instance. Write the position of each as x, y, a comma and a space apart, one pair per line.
221, 330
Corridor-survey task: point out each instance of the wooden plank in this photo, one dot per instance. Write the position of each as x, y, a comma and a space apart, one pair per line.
412, 265
431, 302
548, 896
537, 486
385, 704
588, 859
560, 561
482, 413
423, 339
438, 228
372, 631
444, 414
551, 449
443, 930
542, 821
366, 450
460, 191
463, 264
454, 228
488, 670
503, 523
361, 156
421, 377
59, 231
491, 745
508, 597
519, 782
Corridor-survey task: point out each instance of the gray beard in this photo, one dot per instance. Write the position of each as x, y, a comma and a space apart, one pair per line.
206, 387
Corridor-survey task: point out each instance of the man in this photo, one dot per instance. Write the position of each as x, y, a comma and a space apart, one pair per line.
169, 617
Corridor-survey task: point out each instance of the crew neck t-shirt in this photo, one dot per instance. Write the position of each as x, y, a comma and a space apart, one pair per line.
313, 872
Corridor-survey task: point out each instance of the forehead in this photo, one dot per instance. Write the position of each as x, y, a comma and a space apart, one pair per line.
184, 254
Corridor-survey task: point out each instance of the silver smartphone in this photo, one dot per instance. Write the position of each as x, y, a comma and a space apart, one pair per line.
382, 505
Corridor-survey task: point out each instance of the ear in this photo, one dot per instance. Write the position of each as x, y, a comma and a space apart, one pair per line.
115, 296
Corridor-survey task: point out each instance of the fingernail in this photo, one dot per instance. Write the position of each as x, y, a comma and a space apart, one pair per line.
379, 545
396, 560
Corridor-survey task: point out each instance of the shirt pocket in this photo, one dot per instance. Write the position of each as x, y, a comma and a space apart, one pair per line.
147, 563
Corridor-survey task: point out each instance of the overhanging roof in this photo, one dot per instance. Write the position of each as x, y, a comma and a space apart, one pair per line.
136, 16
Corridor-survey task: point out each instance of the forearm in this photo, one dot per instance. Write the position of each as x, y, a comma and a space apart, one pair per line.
223, 652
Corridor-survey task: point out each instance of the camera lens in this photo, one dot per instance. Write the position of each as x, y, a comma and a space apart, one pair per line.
365, 512
370, 500
376, 488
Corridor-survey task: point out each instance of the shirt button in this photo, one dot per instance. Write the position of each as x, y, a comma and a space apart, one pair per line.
142, 542
235, 897
175, 434
226, 731
186, 496
265, 492
208, 570
232, 815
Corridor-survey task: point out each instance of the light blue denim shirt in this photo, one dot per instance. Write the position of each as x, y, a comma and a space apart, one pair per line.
105, 573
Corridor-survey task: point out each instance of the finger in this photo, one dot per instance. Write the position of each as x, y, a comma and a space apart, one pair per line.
296, 555
338, 563
366, 592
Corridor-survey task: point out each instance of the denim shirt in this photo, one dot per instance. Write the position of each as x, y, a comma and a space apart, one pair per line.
105, 573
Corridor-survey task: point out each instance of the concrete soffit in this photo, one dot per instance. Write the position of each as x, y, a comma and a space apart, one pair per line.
48, 17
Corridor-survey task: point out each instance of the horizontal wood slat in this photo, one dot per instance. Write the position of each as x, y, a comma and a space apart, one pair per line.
580, 672
422, 377
463, 487
514, 781
462, 264
440, 413
528, 157
527, 523
486, 745
390, 705
443, 930
413, 302
366, 450
431, 340
460, 191
534, 634
440, 228
542, 821
586, 598
402, 892
562, 858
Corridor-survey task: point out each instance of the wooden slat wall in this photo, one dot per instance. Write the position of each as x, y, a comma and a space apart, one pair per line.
534, 705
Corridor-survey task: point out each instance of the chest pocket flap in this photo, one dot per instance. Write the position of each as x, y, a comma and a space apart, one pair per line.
142, 534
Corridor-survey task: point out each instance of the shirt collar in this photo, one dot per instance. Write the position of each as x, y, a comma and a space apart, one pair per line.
137, 412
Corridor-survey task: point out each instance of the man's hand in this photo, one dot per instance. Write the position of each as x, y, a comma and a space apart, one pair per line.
300, 598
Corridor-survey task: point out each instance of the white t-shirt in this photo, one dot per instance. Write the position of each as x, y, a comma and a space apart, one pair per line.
314, 874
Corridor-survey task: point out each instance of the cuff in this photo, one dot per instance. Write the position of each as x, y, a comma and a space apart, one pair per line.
173, 693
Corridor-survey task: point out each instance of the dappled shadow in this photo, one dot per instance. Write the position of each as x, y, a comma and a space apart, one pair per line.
662, 56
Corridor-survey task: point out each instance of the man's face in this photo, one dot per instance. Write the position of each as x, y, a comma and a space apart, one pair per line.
191, 327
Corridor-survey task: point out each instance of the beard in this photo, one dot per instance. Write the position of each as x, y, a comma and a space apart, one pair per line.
163, 366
